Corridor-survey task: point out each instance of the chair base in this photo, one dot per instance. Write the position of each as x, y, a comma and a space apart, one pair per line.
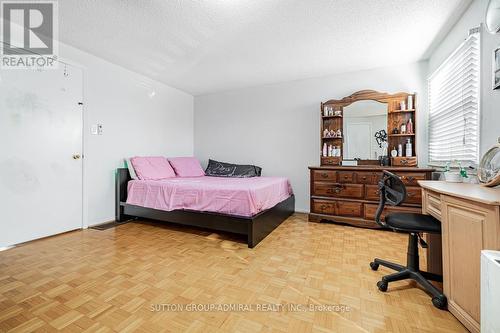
411, 271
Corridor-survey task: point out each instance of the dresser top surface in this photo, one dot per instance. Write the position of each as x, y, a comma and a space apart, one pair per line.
474, 192
372, 168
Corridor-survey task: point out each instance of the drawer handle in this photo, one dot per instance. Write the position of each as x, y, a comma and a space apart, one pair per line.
323, 207
364, 178
336, 190
324, 175
346, 176
409, 195
411, 179
404, 161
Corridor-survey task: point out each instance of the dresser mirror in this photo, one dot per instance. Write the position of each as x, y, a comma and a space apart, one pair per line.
370, 127
365, 130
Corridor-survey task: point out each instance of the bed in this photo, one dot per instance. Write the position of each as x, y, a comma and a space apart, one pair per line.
253, 207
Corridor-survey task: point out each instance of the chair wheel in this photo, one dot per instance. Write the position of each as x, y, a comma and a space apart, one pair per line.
374, 266
440, 302
382, 285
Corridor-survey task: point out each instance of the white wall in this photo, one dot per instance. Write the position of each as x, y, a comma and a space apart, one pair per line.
490, 99
134, 123
277, 126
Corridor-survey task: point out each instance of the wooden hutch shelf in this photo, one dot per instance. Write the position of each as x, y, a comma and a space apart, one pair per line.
406, 134
395, 118
403, 111
328, 117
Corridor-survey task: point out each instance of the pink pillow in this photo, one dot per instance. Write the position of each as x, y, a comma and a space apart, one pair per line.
152, 168
186, 167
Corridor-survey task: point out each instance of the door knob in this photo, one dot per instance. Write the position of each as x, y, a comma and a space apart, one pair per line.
76, 156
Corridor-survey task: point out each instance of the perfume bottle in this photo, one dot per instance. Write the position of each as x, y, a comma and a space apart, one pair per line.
409, 127
410, 102
409, 152
403, 128
325, 150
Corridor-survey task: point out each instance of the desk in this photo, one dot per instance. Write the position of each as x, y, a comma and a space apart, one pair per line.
470, 217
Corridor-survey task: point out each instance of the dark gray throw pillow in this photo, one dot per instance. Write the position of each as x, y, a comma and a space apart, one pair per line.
221, 169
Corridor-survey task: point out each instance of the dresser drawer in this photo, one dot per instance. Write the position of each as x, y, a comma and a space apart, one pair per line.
322, 175
338, 190
324, 207
372, 192
413, 195
412, 178
346, 177
370, 210
366, 178
405, 161
352, 209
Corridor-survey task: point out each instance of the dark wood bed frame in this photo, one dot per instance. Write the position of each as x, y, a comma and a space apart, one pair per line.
256, 228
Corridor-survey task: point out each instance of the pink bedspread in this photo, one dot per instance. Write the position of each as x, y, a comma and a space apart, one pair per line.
234, 196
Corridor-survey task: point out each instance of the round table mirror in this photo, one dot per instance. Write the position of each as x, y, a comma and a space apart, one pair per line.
489, 168
493, 17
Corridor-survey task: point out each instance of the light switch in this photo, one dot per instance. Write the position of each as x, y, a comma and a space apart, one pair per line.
96, 129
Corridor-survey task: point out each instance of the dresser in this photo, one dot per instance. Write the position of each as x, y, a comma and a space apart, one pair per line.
470, 218
350, 194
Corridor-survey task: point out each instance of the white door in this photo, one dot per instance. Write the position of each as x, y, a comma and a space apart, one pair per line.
357, 141
40, 143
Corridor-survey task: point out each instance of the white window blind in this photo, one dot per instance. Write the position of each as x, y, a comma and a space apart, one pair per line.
454, 106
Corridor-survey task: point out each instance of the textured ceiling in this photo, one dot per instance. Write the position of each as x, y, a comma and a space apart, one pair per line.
215, 45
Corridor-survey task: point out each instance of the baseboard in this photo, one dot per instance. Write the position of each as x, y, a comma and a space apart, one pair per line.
5, 248
100, 223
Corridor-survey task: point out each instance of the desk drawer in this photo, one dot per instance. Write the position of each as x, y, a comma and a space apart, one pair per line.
432, 202
338, 190
324, 175
324, 207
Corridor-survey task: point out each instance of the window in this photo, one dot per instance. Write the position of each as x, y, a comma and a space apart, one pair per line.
454, 106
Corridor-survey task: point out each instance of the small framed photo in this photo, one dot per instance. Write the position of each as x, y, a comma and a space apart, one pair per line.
496, 68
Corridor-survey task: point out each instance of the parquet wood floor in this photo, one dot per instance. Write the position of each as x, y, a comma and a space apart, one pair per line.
105, 281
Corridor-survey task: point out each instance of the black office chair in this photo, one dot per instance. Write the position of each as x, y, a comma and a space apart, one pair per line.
393, 192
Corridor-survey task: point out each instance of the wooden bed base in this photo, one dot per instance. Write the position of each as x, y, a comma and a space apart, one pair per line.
256, 227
